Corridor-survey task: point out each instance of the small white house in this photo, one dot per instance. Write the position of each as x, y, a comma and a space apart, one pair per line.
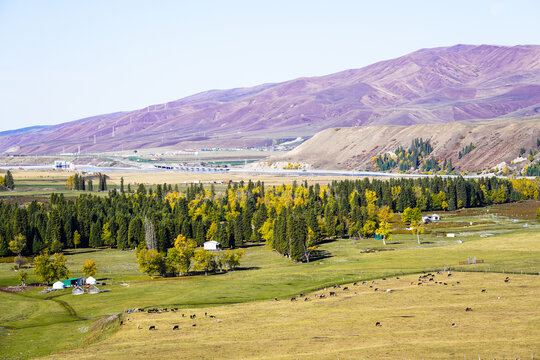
450, 235
58, 285
212, 245
91, 281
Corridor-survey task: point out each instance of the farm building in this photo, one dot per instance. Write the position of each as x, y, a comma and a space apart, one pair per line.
90, 280
58, 285
73, 282
212, 245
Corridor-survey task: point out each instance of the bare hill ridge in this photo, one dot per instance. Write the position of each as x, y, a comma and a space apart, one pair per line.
353, 148
438, 85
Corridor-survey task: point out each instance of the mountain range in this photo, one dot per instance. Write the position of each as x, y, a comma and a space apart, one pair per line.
428, 86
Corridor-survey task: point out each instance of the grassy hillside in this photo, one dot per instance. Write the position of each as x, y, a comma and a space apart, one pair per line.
355, 147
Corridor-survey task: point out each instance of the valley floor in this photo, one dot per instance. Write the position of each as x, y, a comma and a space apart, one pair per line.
416, 321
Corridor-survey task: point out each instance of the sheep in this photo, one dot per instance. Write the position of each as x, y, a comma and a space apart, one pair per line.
176, 327
153, 327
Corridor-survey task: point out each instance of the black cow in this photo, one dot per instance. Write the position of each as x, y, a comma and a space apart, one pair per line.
153, 327
176, 327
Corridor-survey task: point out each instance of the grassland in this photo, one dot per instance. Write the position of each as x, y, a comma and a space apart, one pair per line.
36, 324
416, 323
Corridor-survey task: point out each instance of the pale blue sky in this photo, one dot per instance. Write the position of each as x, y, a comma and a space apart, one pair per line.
65, 60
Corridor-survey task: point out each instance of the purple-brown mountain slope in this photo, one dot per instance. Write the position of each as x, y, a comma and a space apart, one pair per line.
437, 85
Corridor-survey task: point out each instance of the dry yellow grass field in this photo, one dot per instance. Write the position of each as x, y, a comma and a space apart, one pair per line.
416, 323
174, 177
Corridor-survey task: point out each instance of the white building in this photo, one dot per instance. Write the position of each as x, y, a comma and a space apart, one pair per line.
435, 217
212, 245
58, 285
90, 281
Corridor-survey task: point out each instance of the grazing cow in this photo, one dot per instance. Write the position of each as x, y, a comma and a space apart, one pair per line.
205, 314
153, 327
306, 299
468, 309
183, 315
454, 324
397, 277
121, 322
430, 279
364, 282
376, 289
457, 282
301, 295
138, 326
389, 290
445, 284
378, 324
498, 298
370, 286
293, 299
384, 278
322, 296
345, 288
355, 283
332, 293
506, 280
212, 317
176, 327
484, 290
194, 325
449, 274
275, 299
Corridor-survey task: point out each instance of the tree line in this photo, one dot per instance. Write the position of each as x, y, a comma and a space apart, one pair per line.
7, 181
292, 218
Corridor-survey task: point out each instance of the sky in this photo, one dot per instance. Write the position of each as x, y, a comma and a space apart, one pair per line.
66, 60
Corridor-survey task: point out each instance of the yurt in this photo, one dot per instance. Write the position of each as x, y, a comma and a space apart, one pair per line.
93, 290
77, 291
91, 281
58, 285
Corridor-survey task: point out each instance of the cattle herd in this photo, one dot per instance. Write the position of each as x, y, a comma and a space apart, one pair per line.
425, 278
